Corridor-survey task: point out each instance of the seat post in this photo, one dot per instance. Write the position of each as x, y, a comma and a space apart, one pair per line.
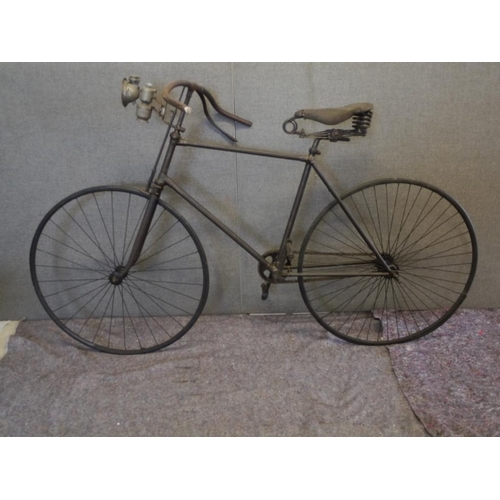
313, 150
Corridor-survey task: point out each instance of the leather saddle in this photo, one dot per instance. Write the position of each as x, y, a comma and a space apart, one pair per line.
334, 116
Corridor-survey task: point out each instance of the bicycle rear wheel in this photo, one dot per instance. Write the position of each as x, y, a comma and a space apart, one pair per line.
88, 236
421, 232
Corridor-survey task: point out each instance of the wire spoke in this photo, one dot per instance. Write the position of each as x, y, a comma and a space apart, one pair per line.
165, 288
348, 301
426, 306
99, 271
359, 310
141, 308
443, 270
94, 310
380, 287
434, 256
161, 251
435, 242
173, 282
422, 287
431, 229
73, 287
75, 250
112, 316
392, 218
433, 278
106, 229
337, 291
124, 304
100, 288
96, 242
361, 248
408, 306
363, 221
162, 236
149, 270
415, 225
111, 295
152, 298
435, 284
379, 235
77, 244
165, 262
356, 248
403, 247
403, 219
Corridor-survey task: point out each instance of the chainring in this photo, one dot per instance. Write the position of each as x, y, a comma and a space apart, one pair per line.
272, 257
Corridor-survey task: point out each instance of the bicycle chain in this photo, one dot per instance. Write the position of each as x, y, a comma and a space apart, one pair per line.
338, 254
349, 254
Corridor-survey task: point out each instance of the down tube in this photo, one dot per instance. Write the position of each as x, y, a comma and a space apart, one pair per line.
243, 244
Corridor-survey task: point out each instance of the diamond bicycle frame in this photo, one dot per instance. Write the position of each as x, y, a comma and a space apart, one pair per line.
427, 260
155, 188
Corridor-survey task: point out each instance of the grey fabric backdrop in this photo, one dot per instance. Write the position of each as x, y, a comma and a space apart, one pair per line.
63, 128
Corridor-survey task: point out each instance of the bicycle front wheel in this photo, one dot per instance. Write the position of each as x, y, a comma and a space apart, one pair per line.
88, 236
423, 235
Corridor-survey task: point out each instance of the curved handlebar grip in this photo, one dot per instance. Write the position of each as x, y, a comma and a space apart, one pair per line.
202, 92
222, 112
174, 102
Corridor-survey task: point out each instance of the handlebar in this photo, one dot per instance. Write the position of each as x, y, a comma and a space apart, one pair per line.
131, 92
202, 92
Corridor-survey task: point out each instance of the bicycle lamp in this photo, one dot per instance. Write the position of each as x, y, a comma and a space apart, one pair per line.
144, 108
130, 90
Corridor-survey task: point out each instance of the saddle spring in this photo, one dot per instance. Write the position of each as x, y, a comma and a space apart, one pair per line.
361, 122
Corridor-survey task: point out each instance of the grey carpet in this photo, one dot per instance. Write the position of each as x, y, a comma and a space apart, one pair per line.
229, 376
452, 377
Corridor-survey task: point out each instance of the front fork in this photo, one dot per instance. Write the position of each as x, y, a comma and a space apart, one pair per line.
121, 272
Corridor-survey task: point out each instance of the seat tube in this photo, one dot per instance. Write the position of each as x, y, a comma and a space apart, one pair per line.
293, 216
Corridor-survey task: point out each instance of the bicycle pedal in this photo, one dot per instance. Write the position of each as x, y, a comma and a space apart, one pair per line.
265, 290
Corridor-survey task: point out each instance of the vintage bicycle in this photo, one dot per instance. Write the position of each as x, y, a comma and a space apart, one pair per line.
122, 272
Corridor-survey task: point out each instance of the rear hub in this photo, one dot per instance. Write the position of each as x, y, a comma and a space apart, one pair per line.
389, 259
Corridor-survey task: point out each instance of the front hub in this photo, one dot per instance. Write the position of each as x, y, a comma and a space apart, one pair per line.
116, 277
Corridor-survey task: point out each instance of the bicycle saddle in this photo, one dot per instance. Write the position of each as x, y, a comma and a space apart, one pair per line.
334, 116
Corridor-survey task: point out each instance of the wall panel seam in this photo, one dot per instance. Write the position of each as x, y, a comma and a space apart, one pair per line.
237, 191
